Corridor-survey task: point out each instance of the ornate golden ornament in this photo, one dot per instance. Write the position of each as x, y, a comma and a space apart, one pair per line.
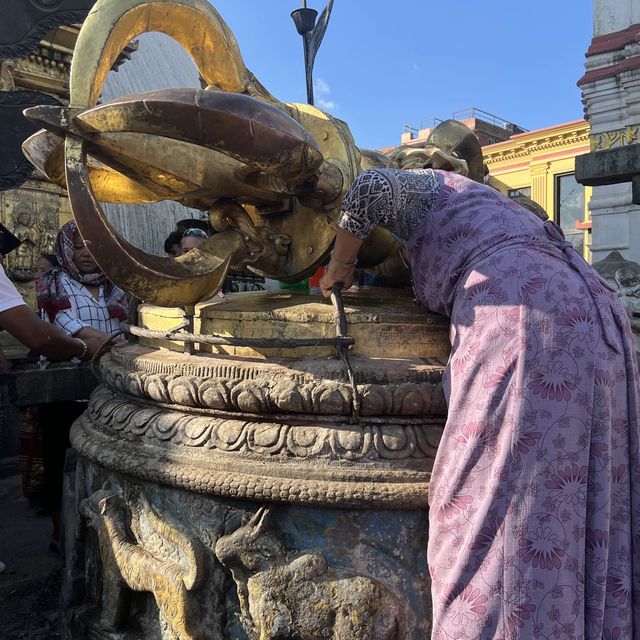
220, 149
616, 138
271, 175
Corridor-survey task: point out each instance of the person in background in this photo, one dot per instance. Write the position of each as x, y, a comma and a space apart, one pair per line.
172, 244
45, 262
77, 298
192, 238
23, 324
194, 223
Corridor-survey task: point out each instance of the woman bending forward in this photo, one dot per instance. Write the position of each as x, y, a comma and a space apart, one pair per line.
535, 494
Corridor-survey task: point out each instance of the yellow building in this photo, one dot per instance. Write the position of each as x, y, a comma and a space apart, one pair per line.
540, 164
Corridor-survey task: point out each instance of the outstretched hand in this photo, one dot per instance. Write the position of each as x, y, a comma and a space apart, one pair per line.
335, 273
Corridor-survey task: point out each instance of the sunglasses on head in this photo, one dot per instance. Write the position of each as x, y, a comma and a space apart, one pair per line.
198, 233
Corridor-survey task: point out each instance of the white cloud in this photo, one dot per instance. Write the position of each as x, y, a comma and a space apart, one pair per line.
322, 94
327, 105
321, 87
415, 66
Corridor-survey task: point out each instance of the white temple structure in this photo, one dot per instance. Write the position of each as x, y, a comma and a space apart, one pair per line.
611, 96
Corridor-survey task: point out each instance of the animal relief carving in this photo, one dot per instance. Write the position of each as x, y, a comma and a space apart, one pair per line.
164, 561
300, 597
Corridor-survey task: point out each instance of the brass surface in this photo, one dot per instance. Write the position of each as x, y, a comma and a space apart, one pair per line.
454, 137
232, 141
194, 24
197, 275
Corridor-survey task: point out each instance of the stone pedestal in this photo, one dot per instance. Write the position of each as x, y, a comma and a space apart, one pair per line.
234, 495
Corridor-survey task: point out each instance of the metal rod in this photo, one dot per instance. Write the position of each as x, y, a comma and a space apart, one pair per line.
343, 350
271, 343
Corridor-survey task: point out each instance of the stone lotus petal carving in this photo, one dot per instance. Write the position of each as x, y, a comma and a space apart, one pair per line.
349, 442
260, 458
250, 429
299, 596
250, 389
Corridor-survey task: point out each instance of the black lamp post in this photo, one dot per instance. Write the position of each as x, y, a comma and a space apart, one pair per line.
305, 21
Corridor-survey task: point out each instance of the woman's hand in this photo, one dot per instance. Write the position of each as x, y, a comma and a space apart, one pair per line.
96, 340
343, 260
335, 273
90, 332
95, 344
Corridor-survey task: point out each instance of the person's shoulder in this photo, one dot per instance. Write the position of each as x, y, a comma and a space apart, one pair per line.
4, 278
9, 296
379, 176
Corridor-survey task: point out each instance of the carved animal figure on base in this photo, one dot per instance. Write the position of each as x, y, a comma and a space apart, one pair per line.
300, 597
171, 570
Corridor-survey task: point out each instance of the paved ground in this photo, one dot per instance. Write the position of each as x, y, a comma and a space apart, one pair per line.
30, 584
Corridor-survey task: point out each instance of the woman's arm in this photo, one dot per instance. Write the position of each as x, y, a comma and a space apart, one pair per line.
366, 204
67, 321
44, 338
343, 261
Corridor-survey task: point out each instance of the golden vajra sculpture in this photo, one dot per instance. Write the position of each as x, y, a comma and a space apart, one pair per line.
271, 175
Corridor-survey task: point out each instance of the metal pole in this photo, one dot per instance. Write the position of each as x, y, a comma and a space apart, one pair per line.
308, 72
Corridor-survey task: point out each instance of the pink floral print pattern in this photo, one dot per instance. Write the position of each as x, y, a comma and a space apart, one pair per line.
535, 492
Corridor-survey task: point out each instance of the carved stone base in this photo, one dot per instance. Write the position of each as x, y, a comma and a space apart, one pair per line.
152, 562
238, 496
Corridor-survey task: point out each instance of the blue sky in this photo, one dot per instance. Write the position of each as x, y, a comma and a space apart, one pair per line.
387, 63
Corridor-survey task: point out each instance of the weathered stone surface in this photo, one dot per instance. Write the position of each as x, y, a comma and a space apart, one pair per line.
624, 276
611, 166
238, 496
263, 459
162, 563
295, 596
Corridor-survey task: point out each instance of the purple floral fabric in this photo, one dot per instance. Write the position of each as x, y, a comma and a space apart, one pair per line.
535, 494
